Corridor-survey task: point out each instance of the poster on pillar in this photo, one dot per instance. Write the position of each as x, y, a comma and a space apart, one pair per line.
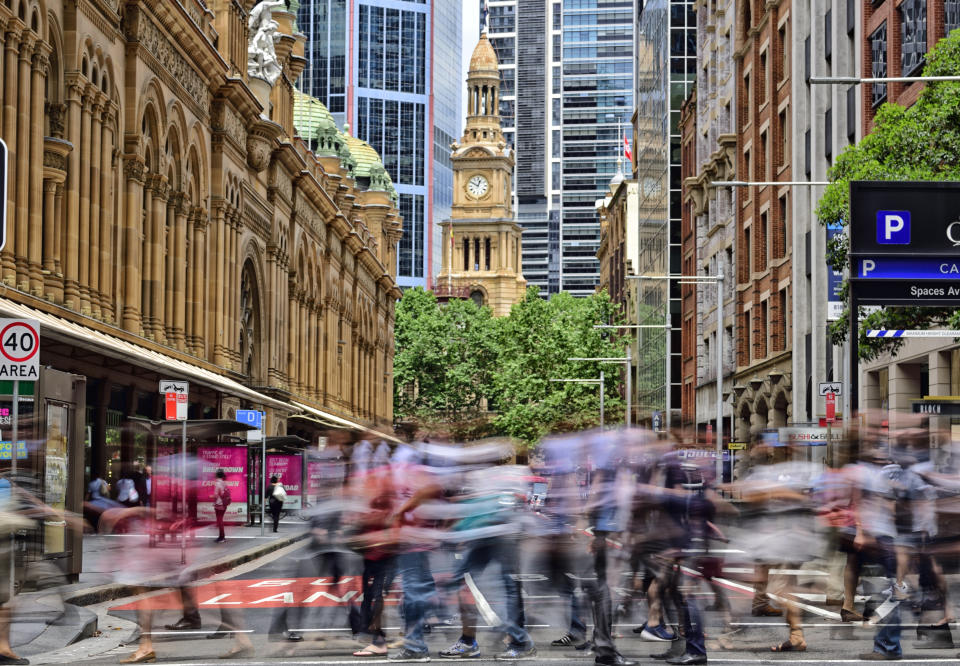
166, 485
289, 470
233, 461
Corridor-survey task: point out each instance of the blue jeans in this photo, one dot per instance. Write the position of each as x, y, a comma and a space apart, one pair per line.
887, 639
417, 587
502, 550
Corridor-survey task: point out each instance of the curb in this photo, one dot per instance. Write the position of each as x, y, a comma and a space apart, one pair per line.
102, 593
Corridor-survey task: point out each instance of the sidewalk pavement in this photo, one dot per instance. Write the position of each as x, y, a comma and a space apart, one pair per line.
55, 617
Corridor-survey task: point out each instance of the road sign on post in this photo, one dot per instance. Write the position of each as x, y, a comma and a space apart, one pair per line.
19, 349
831, 407
830, 387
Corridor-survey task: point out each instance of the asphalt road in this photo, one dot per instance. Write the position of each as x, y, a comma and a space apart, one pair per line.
254, 594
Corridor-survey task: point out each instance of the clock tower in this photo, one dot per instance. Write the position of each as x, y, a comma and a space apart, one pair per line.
482, 244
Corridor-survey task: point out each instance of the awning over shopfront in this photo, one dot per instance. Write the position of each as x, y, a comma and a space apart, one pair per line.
200, 429
339, 422
63, 330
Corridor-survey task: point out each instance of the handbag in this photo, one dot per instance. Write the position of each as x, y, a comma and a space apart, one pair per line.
279, 493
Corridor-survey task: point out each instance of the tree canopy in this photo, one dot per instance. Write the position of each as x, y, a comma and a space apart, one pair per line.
920, 142
456, 361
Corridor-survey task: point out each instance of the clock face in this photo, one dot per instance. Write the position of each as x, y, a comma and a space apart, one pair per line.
478, 186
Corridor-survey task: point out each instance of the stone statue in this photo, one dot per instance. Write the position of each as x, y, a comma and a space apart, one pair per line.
262, 60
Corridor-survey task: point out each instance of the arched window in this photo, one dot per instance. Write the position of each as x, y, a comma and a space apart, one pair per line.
477, 297
486, 255
249, 322
476, 254
466, 254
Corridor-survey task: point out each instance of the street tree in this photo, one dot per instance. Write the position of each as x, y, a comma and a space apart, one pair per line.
920, 142
535, 341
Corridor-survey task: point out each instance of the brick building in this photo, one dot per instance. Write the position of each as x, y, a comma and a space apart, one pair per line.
896, 38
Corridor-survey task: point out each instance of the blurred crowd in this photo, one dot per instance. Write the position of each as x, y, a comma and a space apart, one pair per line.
622, 527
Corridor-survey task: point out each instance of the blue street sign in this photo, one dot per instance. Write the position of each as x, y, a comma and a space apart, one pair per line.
893, 227
908, 268
250, 417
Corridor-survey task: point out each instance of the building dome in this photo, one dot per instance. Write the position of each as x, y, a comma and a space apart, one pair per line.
484, 58
310, 116
368, 165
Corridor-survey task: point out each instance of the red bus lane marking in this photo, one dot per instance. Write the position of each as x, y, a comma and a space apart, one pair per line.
267, 593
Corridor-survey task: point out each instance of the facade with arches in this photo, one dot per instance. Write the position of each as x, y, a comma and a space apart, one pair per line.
162, 223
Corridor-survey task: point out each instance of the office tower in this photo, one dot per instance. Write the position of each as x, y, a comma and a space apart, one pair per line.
596, 106
389, 71
526, 36
572, 63
665, 76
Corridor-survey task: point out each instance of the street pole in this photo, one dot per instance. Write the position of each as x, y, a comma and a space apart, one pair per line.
719, 428
601, 400
183, 493
629, 420
16, 426
263, 477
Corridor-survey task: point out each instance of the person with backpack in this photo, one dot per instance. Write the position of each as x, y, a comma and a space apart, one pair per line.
276, 495
221, 500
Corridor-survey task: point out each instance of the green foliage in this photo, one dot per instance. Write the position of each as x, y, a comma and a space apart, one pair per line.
454, 360
444, 356
921, 142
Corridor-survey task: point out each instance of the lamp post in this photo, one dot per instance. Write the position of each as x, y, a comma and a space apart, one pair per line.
589, 381
628, 360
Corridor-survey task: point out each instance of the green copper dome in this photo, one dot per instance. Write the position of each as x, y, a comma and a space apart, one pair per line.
314, 123
368, 165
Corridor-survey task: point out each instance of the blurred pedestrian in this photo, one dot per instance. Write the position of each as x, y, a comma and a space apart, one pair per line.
276, 495
221, 500
144, 485
127, 493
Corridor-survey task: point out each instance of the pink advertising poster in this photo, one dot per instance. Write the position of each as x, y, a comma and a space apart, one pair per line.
316, 476
289, 470
233, 461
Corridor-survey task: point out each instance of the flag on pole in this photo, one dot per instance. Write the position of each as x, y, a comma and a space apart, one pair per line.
626, 149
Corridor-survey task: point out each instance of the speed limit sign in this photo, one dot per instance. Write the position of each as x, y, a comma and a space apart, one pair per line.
19, 349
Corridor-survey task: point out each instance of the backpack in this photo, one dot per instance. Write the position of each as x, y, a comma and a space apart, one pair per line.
225, 498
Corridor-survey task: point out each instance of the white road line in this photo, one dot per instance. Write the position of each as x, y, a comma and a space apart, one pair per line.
830, 615
543, 660
191, 633
486, 612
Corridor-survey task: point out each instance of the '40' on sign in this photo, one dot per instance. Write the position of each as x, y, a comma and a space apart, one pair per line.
19, 349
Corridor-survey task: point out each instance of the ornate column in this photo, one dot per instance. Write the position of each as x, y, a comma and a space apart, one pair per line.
145, 246
70, 238
96, 137
157, 268
292, 336
11, 49
169, 270
132, 241
180, 275
35, 245
54, 175
189, 279
21, 179
83, 247
218, 255
232, 295
106, 215
200, 276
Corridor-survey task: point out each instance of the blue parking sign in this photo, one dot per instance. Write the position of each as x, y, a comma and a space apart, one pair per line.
250, 417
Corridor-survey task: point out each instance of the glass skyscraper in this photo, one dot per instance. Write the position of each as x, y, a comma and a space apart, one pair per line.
385, 91
567, 82
596, 108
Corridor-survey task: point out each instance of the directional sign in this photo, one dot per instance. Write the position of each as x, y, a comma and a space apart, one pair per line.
830, 387
736, 446
19, 349
250, 417
3, 194
174, 386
